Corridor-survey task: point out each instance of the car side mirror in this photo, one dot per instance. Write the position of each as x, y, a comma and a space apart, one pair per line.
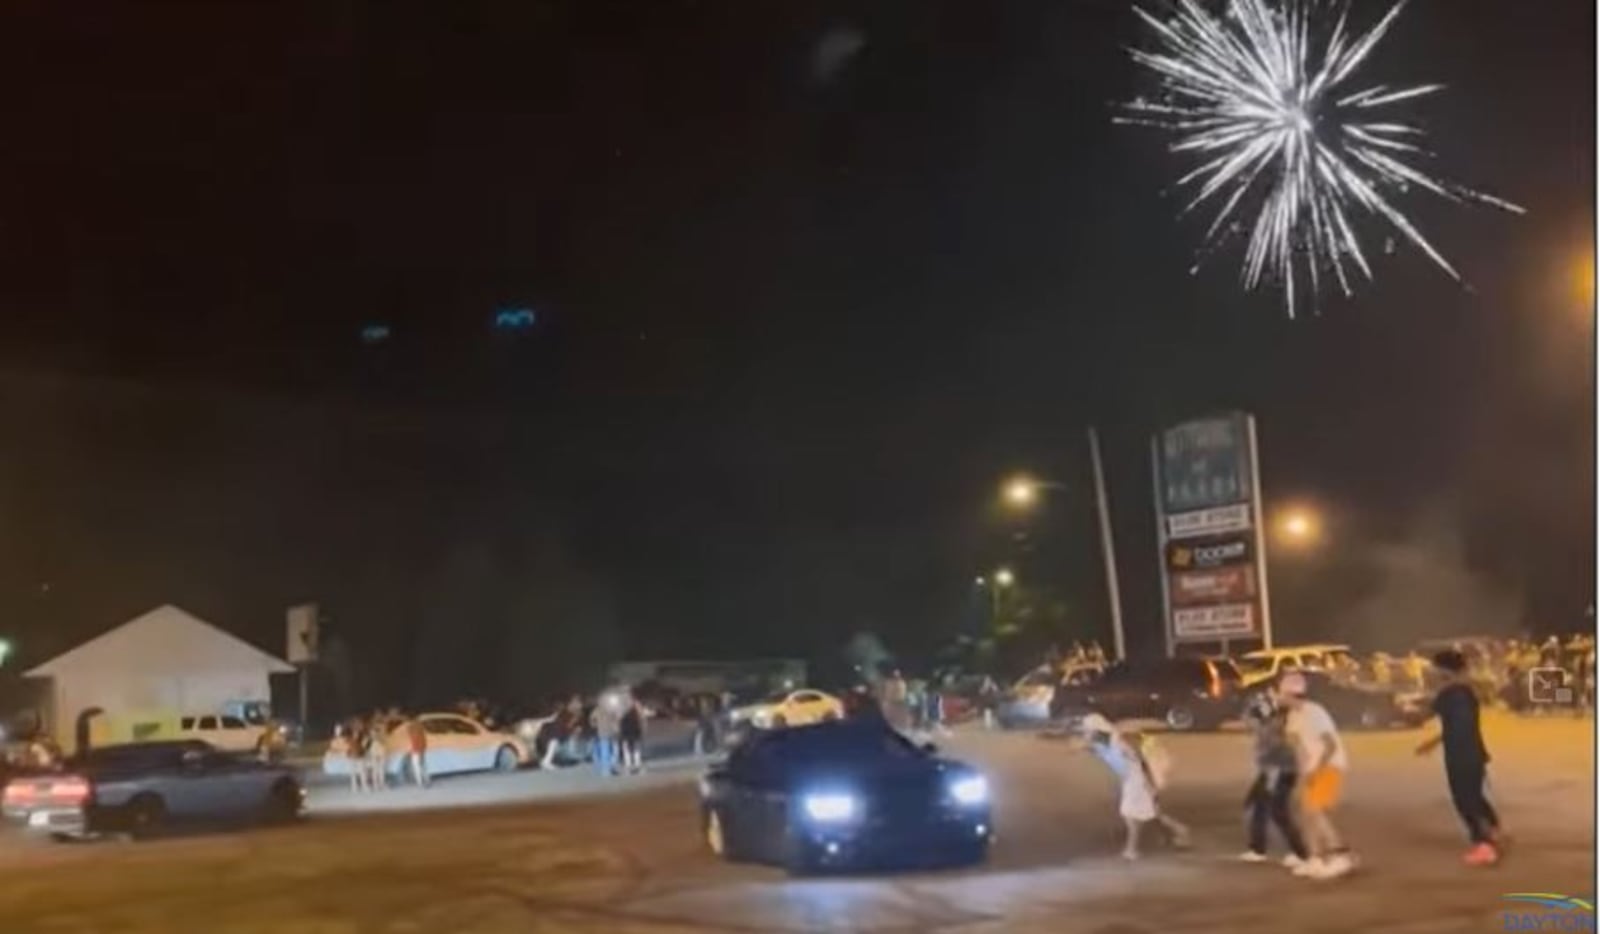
931, 749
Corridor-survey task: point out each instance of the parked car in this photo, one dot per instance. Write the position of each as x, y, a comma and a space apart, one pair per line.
222, 731
455, 744
1362, 706
141, 788
1027, 703
1265, 664
789, 708
1184, 693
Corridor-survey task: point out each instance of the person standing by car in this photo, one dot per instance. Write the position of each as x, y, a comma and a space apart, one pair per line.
376, 759
894, 701
607, 721
417, 751
1322, 762
1466, 758
630, 731
989, 700
934, 702
1272, 792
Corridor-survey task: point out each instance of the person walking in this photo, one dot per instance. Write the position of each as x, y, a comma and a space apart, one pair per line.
1141, 774
1321, 759
1272, 792
1466, 758
417, 751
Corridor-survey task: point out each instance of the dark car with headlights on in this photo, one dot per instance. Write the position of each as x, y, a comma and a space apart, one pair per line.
846, 793
142, 788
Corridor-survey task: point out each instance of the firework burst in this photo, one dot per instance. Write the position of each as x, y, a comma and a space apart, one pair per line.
1259, 97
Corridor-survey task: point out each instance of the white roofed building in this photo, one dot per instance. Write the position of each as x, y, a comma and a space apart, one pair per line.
157, 666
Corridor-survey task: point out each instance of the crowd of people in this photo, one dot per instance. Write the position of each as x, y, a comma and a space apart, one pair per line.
1300, 766
1498, 671
366, 744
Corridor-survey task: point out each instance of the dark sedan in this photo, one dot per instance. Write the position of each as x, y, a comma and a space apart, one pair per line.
141, 788
1184, 693
850, 793
1369, 707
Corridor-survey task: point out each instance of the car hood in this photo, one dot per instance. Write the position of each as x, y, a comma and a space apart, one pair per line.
880, 774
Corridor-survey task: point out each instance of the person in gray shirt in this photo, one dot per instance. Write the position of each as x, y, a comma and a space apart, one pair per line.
1273, 789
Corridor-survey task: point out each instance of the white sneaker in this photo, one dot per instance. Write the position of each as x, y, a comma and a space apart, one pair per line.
1340, 864
1309, 869
1292, 862
1251, 856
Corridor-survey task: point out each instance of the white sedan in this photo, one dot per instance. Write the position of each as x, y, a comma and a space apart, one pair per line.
455, 744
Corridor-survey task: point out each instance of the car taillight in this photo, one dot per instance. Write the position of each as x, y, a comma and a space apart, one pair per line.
1215, 684
72, 790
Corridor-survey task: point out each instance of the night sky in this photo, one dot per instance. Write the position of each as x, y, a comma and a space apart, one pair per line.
809, 279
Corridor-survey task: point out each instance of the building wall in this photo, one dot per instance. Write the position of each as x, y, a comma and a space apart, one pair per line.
145, 706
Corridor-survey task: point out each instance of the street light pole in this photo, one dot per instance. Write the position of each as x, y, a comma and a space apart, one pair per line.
1108, 547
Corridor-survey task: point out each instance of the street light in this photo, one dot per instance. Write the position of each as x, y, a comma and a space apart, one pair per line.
1022, 491
1300, 526
5, 650
1001, 579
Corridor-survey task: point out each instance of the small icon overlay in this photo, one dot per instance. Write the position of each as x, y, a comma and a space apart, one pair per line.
1551, 686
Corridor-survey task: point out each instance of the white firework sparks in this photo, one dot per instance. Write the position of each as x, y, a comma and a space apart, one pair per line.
1260, 97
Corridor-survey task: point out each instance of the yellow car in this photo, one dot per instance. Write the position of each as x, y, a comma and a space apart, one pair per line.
790, 708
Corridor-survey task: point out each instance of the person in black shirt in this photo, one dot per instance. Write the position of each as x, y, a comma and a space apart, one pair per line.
1466, 759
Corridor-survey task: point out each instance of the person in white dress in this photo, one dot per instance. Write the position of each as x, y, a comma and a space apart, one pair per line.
1141, 777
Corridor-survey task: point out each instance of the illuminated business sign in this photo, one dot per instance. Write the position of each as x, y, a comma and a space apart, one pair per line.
1208, 501
1205, 464
1219, 586
1223, 551
1216, 623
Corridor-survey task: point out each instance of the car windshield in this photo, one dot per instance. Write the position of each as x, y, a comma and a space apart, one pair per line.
1228, 669
828, 744
1254, 666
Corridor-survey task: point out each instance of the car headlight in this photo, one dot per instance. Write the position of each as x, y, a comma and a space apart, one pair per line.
974, 789
830, 808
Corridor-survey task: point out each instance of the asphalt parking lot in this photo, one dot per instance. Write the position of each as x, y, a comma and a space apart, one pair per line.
629, 858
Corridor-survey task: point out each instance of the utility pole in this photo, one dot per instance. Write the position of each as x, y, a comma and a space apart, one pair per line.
1108, 547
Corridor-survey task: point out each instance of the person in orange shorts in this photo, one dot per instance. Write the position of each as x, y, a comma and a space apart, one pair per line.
1323, 764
